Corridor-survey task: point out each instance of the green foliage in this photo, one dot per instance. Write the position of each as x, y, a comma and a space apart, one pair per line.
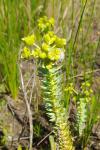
15, 20
3, 137
92, 118
83, 100
9, 46
87, 110
52, 96
19, 147
81, 115
2, 88
9, 68
2, 103
52, 142
37, 130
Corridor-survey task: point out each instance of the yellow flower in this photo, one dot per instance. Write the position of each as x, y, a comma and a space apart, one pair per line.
88, 84
29, 40
49, 66
46, 38
45, 24
41, 26
60, 42
63, 41
36, 52
42, 55
51, 33
49, 38
51, 21
26, 53
45, 47
86, 93
54, 54
52, 40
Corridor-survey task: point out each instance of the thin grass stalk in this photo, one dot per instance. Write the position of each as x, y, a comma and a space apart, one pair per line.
79, 25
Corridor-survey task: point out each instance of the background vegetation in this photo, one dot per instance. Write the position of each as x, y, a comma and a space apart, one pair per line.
78, 21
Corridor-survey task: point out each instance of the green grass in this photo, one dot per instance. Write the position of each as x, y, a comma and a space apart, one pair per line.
15, 22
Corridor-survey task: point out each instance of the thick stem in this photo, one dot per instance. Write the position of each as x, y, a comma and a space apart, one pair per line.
52, 95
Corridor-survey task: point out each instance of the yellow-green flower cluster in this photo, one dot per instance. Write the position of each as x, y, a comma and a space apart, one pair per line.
86, 91
51, 47
26, 53
45, 24
50, 38
29, 40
